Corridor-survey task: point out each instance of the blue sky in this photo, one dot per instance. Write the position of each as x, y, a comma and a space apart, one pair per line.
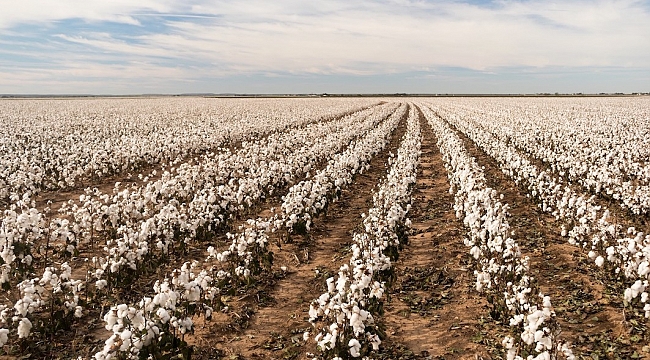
448, 46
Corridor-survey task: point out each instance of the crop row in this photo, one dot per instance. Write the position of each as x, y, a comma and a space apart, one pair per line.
197, 288
502, 273
62, 144
605, 151
142, 224
623, 253
344, 316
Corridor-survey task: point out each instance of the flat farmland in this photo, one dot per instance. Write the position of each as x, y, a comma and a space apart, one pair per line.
328, 228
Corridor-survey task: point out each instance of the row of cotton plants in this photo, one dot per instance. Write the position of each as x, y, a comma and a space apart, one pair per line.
143, 231
344, 316
501, 271
220, 190
61, 144
298, 208
219, 183
193, 290
587, 225
307, 199
605, 151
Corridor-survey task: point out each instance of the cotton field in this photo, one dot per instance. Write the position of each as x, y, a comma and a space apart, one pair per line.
325, 228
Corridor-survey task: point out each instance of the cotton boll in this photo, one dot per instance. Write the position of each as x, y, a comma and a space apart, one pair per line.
163, 315
600, 261
24, 328
643, 269
3, 337
355, 347
100, 284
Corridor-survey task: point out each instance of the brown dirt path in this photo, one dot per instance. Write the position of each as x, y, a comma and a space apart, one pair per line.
590, 316
275, 327
433, 310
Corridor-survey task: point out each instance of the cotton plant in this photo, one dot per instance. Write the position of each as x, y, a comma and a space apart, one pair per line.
145, 223
139, 223
147, 235
602, 152
20, 228
247, 254
54, 291
156, 323
311, 197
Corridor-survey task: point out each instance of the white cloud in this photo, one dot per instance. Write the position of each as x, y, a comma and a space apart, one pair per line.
342, 37
43, 12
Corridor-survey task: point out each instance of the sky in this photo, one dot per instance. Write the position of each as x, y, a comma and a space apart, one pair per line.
329, 46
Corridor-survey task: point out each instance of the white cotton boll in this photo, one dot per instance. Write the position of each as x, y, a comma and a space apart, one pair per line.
110, 319
186, 325
354, 346
375, 341
638, 287
100, 284
629, 294
633, 291
163, 315
592, 254
644, 269
543, 342
508, 342
3, 337
78, 311
330, 285
126, 344
528, 336
600, 261
24, 328
566, 350
47, 276
313, 313
324, 342
516, 320
475, 252
193, 294
122, 310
